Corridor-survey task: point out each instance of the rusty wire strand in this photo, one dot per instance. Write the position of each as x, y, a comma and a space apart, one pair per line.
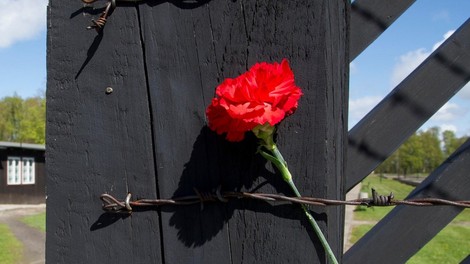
99, 24
123, 1
111, 204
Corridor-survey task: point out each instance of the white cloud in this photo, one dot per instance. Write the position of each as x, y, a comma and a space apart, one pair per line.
445, 37
358, 108
353, 68
21, 20
448, 127
409, 61
448, 112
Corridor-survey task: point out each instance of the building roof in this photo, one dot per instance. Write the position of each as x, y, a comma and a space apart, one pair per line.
4, 145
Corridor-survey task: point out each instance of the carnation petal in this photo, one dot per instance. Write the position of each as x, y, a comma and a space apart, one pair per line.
235, 136
266, 93
273, 115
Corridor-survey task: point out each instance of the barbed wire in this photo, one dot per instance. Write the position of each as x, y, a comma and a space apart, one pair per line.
111, 204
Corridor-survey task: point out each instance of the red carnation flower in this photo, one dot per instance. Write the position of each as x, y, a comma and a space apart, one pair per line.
257, 100
265, 94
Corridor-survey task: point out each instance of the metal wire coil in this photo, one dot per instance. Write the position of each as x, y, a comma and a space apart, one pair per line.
111, 204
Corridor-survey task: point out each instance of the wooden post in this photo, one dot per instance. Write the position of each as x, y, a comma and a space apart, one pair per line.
148, 136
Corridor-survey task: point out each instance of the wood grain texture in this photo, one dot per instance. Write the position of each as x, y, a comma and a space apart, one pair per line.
408, 106
397, 236
173, 54
370, 18
190, 50
97, 143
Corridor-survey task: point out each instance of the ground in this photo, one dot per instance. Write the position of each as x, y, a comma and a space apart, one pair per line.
349, 222
32, 239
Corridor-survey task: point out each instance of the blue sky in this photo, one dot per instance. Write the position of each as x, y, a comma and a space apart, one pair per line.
374, 73
22, 47
399, 50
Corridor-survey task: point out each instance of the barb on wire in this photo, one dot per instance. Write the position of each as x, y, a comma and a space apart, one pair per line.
111, 204
99, 24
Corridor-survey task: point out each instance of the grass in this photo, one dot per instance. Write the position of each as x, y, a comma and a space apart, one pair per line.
359, 231
463, 217
451, 245
383, 186
11, 249
37, 221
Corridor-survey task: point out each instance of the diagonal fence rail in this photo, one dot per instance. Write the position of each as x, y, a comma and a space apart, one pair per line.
408, 106
406, 229
395, 119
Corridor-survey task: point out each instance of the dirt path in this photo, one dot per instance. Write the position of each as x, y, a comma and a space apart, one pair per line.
349, 221
32, 239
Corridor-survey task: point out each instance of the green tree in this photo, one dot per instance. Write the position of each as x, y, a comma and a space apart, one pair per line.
411, 155
431, 149
11, 113
451, 142
23, 120
33, 123
422, 152
390, 165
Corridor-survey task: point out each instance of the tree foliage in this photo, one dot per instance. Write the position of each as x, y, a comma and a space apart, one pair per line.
451, 142
23, 120
422, 152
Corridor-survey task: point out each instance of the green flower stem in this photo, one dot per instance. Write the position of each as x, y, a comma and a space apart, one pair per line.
315, 226
281, 165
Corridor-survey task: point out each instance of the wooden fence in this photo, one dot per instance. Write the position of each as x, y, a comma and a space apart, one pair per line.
126, 112
405, 230
163, 60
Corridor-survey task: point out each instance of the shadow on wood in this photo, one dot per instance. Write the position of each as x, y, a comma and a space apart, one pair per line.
183, 4
91, 52
197, 224
107, 219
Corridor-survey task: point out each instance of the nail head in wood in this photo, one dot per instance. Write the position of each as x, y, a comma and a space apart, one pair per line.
109, 90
